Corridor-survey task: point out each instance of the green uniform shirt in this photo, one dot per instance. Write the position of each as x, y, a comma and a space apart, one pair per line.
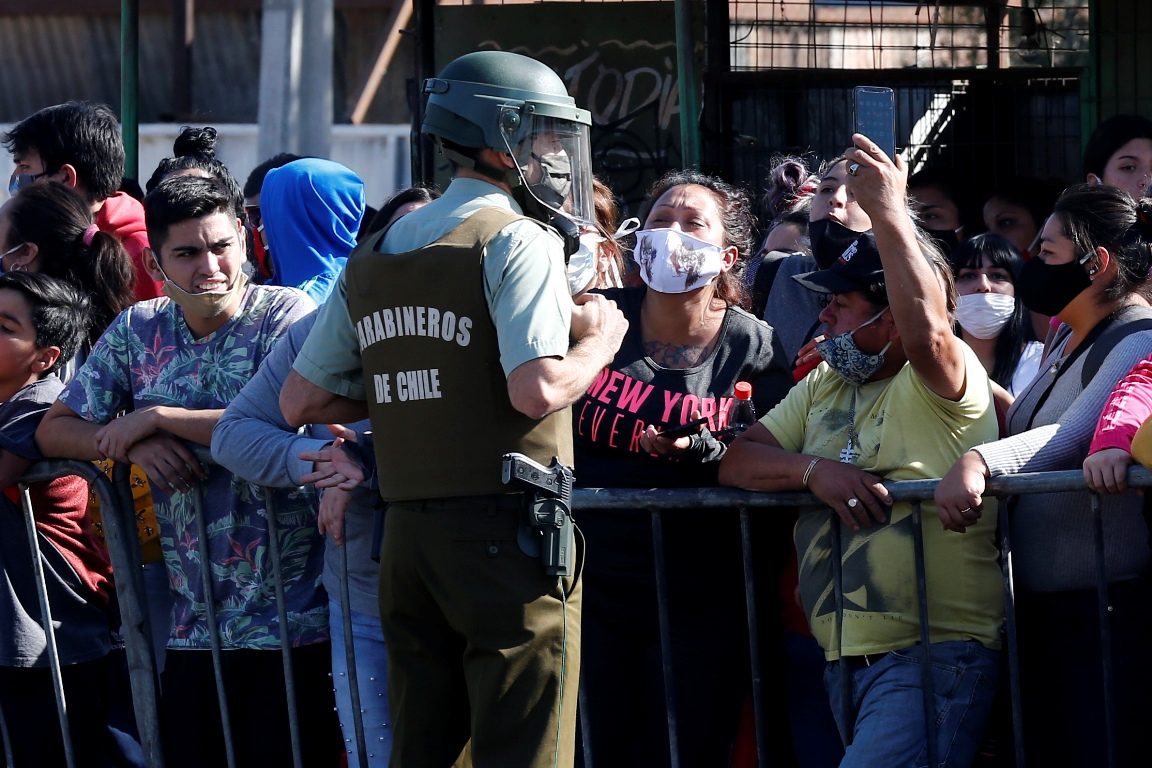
524, 283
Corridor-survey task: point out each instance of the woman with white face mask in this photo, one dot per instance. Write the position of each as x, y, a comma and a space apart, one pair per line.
688, 343
989, 316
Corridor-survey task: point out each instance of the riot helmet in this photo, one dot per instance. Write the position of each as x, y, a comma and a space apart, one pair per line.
516, 105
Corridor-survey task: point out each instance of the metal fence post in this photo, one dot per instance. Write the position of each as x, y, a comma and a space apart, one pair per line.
46, 620
927, 685
753, 639
350, 653
1010, 626
197, 493
118, 513
665, 636
1105, 628
282, 614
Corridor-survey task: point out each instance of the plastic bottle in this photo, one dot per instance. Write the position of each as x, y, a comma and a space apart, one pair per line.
743, 414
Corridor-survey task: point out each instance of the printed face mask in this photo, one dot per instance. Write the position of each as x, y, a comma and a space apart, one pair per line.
984, 315
673, 262
850, 362
582, 264
829, 239
203, 304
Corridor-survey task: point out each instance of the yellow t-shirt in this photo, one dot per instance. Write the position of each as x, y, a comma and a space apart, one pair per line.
905, 432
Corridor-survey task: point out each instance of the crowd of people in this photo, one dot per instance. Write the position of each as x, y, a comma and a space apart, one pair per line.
368, 382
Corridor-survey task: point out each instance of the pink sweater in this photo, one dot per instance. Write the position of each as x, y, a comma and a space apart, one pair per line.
1127, 408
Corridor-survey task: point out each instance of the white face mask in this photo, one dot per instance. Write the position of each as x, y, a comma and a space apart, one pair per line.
984, 315
582, 264
673, 262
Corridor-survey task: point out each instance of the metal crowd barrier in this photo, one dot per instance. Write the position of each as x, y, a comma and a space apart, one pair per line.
120, 529
118, 513
124, 552
656, 501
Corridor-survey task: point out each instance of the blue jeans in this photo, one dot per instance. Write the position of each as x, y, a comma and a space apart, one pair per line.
889, 725
372, 676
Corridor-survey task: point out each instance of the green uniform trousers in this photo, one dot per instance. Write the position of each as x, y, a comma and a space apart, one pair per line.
481, 643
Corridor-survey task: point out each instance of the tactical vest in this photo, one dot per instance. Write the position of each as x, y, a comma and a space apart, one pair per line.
437, 395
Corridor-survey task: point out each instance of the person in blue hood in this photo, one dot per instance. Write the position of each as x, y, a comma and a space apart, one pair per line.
311, 211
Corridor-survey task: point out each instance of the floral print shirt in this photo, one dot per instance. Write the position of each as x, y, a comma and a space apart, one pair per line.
148, 356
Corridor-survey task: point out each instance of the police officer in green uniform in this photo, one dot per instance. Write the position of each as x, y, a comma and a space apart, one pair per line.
456, 331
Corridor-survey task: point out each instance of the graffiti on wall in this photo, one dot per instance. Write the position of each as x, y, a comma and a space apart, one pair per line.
629, 84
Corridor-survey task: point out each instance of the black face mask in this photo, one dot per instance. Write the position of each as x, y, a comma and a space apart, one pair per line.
829, 240
947, 239
1048, 288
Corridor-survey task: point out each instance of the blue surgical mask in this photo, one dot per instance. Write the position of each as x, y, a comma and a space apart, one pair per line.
19, 181
847, 360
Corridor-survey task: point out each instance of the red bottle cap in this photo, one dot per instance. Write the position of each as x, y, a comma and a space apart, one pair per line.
743, 390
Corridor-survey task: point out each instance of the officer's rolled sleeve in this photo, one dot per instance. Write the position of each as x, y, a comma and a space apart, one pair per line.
528, 296
330, 357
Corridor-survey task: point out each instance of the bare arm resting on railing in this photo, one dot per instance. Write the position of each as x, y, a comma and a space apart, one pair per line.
756, 462
164, 458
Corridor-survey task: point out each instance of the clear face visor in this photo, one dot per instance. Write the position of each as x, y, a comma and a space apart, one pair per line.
554, 162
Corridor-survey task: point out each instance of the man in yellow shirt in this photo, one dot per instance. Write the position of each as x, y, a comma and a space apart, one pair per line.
898, 397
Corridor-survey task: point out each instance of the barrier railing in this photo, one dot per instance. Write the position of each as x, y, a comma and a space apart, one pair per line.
120, 530
655, 501
124, 553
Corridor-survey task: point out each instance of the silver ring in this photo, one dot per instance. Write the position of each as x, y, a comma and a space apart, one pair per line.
853, 168
969, 509
852, 503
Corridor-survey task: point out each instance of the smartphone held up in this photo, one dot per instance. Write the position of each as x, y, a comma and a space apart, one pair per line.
875, 111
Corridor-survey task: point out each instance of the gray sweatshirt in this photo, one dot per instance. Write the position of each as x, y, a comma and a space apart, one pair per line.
253, 440
1052, 540
792, 309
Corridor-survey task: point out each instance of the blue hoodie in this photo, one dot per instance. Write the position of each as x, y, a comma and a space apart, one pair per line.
312, 210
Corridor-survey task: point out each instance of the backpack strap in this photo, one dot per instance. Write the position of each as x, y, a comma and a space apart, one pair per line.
1124, 321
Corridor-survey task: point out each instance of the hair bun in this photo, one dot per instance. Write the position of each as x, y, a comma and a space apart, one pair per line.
195, 141
787, 181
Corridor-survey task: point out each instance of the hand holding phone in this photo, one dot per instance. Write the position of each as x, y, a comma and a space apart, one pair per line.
875, 110
685, 429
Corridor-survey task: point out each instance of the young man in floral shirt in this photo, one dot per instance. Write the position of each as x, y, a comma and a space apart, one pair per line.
175, 363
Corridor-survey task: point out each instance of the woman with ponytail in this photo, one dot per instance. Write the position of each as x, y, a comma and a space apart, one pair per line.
48, 228
1090, 273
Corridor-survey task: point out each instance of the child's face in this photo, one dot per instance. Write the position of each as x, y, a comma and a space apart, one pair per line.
21, 362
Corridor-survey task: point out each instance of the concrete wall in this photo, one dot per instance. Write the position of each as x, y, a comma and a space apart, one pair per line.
377, 153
